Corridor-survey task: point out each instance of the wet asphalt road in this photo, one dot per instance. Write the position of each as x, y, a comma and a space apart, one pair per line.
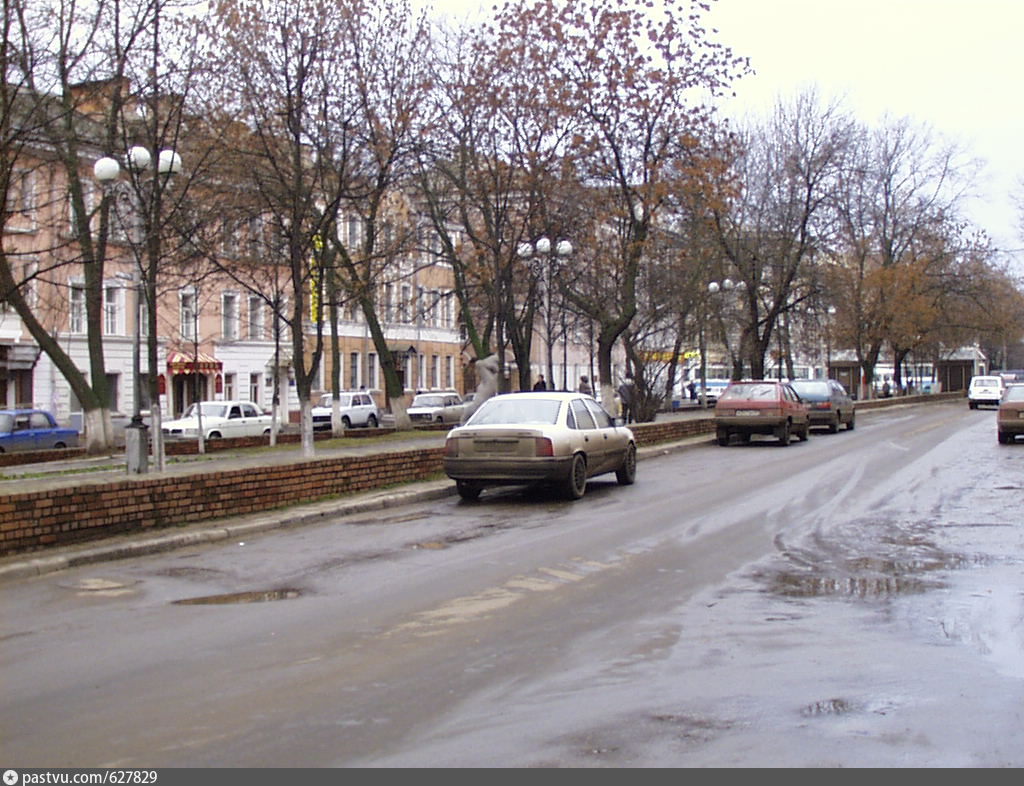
856, 600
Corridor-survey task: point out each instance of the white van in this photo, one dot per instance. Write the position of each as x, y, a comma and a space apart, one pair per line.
985, 390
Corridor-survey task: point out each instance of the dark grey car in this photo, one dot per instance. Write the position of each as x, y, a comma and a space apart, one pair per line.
829, 404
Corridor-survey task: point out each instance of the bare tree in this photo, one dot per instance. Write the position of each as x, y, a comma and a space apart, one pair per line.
897, 201
780, 221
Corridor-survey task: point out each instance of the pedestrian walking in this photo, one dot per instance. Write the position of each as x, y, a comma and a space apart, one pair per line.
627, 395
540, 384
692, 388
585, 388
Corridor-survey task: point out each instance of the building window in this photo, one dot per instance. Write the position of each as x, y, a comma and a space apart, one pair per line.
21, 196
353, 233
111, 309
404, 304
371, 370
229, 387
353, 371
189, 315
448, 310
421, 372
77, 318
229, 314
255, 326
449, 372
389, 297
435, 371
143, 306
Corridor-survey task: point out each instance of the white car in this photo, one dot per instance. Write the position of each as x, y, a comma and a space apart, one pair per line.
443, 407
985, 390
357, 409
221, 420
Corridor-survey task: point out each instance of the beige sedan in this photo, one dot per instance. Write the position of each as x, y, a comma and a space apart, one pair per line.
559, 439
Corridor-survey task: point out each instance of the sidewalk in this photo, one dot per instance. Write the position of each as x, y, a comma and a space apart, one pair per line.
238, 528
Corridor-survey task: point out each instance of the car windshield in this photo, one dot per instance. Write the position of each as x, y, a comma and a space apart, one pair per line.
210, 409
516, 411
428, 401
753, 391
1014, 393
811, 388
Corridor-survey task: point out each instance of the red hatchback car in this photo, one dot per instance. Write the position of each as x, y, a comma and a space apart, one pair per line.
760, 407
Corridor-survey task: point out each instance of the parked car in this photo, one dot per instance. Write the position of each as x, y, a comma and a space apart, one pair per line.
985, 390
550, 438
357, 409
714, 388
443, 407
221, 420
1010, 418
760, 407
828, 403
33, 429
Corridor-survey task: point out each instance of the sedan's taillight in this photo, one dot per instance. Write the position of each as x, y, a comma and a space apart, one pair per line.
542, 446
451, 447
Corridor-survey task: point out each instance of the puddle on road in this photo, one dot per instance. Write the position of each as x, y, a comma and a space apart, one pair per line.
797, 586
905, 562
828, 707
189, 572
252, 596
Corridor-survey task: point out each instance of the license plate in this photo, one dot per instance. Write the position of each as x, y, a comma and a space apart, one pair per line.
749, 412
495, 446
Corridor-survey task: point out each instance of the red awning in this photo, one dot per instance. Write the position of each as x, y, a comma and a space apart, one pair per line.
191, 363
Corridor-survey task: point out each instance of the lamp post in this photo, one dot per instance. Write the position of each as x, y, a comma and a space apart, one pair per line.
107, 170
831, 311
714, 288
541, 251
136, 436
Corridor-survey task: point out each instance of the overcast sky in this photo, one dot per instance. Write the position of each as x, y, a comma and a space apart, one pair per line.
955, 65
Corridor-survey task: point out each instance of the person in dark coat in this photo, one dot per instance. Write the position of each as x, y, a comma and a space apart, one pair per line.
585, 388
627, 392
540, 384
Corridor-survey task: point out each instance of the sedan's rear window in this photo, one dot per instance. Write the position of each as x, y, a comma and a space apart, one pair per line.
811, 388
517, 411
752, 391
1014, 393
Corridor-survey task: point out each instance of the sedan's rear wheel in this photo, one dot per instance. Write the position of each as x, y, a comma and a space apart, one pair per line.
850, 423
626, 474
833, 427
59, 445
346, 422
723, 437
214, 435
805, 432
783, 433
468, 491
576, 483
371, 422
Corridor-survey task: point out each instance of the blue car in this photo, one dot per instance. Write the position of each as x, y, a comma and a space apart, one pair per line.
33, 429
